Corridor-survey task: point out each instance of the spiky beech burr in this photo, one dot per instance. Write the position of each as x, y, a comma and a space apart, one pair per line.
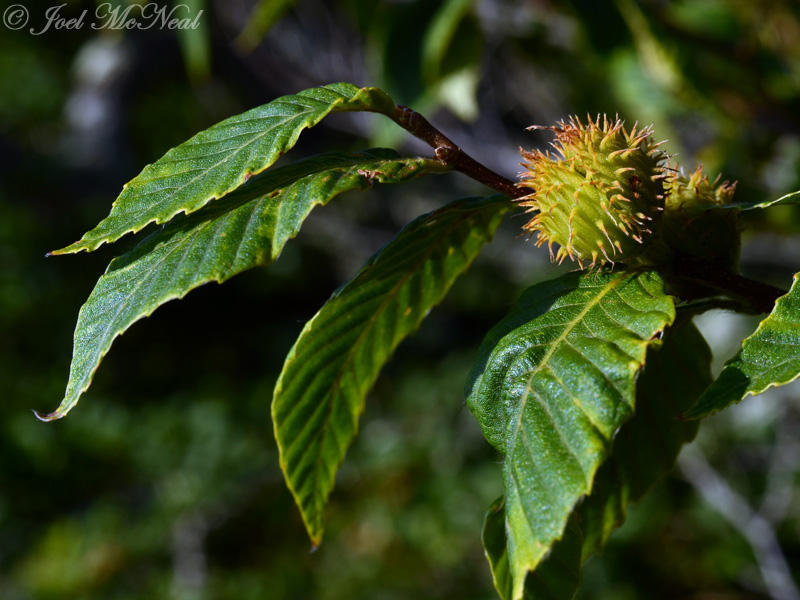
601, 196
695, 224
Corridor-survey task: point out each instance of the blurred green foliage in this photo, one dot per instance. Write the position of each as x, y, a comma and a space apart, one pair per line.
164, 483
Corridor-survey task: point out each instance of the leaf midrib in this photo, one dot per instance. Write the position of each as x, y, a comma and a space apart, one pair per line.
570, 326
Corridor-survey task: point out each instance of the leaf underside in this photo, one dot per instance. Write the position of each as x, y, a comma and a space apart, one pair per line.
338, 355
554, 391
786, 199
221, 158
247, 228
643, 451
769, 357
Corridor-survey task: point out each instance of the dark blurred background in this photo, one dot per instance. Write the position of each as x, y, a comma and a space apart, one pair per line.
164, 481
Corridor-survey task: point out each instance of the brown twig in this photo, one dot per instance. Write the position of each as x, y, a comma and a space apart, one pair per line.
697, 307
761, 296
450, 154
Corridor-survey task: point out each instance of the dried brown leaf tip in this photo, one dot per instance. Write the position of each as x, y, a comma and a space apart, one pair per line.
599, 193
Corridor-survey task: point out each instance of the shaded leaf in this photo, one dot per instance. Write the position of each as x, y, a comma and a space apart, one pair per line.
451, 55
338, 355
769, 357
263, 16
247, 228
646, 447
643, 451
439, 36
221, 158
195, 40
555, 578
554, 391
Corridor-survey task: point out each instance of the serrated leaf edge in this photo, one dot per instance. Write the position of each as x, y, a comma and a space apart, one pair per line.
342, 104
694, 413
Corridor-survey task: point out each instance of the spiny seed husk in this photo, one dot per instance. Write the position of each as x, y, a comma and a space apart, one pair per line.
693, 223
600, 196
696, 193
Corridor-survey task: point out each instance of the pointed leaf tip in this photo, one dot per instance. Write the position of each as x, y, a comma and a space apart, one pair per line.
71, 249
47, 417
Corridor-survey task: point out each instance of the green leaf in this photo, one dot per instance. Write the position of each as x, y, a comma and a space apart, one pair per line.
440, 34
247, 228
770, 357
554, 391
194, 40
338, 355
791, 198
643, 451
451, 55
220, 159
265, 14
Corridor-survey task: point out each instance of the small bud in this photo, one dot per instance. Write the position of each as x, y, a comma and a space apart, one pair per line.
600, 198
